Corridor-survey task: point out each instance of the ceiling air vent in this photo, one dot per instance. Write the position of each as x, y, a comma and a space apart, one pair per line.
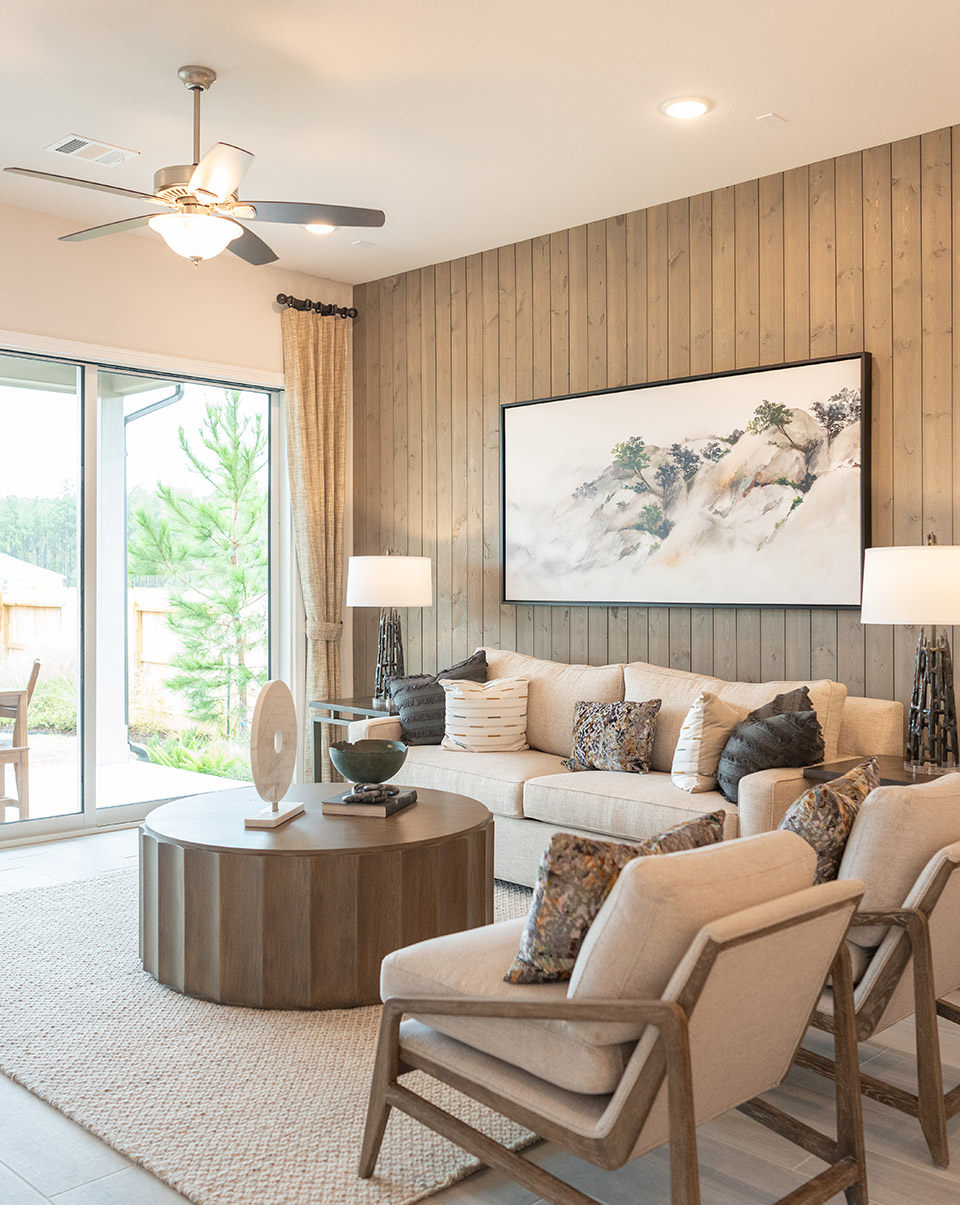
94, 152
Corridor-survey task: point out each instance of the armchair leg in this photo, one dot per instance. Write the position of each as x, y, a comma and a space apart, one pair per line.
931, 1107
385, 1073
849, 1102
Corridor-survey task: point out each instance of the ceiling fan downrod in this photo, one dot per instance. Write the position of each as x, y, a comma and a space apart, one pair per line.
197, 80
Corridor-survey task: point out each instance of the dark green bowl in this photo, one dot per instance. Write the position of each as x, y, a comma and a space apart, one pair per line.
368, 761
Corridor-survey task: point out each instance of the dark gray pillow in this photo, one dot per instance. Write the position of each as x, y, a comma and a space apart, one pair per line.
791, 700
793, 738
421, 702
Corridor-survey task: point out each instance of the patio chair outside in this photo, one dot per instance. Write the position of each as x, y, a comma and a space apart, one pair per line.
14, 750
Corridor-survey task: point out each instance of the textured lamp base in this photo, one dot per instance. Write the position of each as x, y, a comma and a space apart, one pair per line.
389, 651
932, 726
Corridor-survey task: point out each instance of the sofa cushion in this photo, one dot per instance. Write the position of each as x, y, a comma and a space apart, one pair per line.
553, 692
658, 906
824, 815
613, 736
630, 807
678, 691
471, 964
793, 738
575, 877
485, 717
495, 779
704, 733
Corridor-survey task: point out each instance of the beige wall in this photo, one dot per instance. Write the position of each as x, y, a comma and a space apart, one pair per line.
847, 254
129, 291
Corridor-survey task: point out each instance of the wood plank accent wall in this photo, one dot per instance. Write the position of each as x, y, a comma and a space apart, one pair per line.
848, 254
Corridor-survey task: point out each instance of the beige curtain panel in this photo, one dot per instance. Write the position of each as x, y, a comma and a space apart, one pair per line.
315, 381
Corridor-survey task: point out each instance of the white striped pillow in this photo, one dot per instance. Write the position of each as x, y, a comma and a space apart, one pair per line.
485, 717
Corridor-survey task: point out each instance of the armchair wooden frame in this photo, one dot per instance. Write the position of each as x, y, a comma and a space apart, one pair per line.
13, 706
930, 1105
670, 1059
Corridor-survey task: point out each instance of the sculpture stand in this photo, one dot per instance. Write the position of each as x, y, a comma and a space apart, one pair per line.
273, 816
932, 726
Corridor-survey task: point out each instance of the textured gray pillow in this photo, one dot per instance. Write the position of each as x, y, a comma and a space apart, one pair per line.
421, 702
793, 738
791, 700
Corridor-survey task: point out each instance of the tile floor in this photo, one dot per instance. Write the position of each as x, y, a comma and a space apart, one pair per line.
46, 1157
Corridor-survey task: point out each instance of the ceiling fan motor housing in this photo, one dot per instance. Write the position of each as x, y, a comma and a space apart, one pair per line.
173, 182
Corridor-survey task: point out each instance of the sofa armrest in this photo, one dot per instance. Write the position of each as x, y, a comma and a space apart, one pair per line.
869, 727
763, 798
377, 728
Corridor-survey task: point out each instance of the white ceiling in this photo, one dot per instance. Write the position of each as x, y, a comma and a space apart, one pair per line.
471, 125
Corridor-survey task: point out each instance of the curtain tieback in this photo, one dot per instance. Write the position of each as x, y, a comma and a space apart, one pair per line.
324, 631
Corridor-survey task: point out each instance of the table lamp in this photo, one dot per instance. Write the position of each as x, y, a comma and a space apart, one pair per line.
389, 582
920, 584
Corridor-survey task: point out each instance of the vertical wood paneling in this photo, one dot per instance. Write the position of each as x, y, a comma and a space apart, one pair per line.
844, 254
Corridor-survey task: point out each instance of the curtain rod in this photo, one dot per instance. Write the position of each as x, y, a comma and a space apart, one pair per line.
318, 307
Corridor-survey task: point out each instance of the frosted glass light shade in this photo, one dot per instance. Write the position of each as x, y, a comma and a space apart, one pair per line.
389, 581
195, 235
919, 584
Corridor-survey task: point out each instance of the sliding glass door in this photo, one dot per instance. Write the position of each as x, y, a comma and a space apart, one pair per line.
135, 566
40, 474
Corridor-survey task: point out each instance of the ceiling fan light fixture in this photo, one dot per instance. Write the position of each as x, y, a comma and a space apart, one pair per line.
195, 236
320, 228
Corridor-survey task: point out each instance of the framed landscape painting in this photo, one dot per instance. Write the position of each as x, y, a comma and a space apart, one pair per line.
737, 489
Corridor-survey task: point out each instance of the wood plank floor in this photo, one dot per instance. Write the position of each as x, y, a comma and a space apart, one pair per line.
46, 1157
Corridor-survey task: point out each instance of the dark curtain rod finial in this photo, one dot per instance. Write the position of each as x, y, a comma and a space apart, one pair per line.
318, 307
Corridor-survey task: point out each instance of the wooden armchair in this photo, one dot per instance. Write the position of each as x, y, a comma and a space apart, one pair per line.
689, 997
905, 847
13, 706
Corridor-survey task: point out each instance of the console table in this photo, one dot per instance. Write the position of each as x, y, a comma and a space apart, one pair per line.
340, 713
892, 771
302, 916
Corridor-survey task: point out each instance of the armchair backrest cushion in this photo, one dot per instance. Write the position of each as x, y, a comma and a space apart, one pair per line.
679, 689
553, 692
658, 905
897, 831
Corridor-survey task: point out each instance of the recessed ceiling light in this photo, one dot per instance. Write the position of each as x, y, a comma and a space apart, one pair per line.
320, 228
685, 107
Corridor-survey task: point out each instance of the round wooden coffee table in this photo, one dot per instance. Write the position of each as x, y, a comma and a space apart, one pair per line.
301, 916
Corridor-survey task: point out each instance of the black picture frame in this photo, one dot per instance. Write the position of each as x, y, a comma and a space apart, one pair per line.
528, 445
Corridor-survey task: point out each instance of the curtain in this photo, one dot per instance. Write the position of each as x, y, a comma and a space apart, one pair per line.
315, 383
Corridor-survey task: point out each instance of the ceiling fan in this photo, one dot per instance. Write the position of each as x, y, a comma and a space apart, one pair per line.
201, 210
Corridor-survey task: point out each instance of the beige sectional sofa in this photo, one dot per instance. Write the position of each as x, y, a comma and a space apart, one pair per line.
532, 796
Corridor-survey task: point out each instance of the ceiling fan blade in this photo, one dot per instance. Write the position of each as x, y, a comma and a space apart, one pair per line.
252, 248
301, 214
110, 188
110, 228
220, 171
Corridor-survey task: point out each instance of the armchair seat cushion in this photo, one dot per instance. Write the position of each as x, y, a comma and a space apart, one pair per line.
473, 964
495, 779
630, 807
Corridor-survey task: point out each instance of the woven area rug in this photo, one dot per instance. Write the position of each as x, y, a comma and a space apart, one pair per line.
224, 1104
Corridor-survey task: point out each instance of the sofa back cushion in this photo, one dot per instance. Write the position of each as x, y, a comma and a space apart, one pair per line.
553, 692
678, 691
658, 906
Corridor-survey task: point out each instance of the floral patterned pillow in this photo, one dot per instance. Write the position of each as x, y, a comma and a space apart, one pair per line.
824, 815
613, 736
575, 877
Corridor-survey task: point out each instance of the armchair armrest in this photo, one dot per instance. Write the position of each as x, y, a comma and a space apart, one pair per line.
764, 797
653, 1012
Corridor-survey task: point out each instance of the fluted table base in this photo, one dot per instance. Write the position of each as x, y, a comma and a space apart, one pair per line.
301, 917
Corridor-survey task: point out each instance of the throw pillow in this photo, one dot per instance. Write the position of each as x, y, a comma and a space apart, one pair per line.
704, 733
824, 815
420, 700
489, 717
613, 736
791, 700
575, 877
794, 738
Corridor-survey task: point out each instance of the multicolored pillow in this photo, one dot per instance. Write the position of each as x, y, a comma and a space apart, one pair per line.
824, 815
613, 736
575, 877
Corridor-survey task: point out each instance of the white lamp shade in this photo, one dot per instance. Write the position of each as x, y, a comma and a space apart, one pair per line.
195, 235
919, 584
389, 581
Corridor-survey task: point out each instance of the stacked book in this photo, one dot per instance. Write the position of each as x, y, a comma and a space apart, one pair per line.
369, 801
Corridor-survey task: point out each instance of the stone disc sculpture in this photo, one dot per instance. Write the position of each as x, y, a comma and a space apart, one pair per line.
273, 754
